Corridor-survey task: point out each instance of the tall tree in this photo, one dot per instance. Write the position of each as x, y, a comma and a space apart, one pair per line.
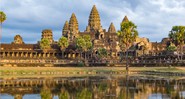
63, 43
84, 44
177, 35
127, 35
2, 18
45, 44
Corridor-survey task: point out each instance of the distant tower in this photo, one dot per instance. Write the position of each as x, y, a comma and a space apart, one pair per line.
65, 29
94, 19
18, 40
112, 29
47, 33
73, 28
125, 19
73, 24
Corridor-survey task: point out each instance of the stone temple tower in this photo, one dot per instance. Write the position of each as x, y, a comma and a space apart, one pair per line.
94, 19
47, 33
73, 27
73, 24
18, 40
112, 29
65, 29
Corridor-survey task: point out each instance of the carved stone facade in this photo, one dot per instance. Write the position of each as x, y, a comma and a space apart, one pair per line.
99, 37
94, 19
70, 30
65, 29
112, 29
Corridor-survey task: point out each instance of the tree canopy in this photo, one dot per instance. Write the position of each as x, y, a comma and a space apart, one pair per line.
127, 34
2, 16
171, 47
102, 52
63, 42
177, 35
84, 43
45, 44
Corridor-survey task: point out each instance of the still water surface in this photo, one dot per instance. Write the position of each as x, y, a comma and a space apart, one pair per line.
93, 87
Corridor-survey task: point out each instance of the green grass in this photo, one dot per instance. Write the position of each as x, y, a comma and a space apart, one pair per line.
75, 71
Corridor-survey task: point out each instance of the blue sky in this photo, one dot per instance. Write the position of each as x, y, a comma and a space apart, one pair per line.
28, 18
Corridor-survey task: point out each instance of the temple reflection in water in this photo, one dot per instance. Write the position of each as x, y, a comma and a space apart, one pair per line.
94, 87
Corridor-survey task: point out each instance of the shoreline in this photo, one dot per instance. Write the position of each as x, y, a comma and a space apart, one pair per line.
87, 71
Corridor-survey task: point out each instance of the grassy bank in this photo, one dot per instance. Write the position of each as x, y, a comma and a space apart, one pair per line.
76, 71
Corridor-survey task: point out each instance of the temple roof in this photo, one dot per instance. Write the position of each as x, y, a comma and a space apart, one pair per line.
94, 19
112, 29
73, 23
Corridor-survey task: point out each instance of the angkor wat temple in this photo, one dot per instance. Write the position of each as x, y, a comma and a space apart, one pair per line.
20, 52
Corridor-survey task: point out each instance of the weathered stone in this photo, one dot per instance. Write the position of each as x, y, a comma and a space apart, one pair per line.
18, 40
65, 29
94, 19
73, 23
47, 33
112, 29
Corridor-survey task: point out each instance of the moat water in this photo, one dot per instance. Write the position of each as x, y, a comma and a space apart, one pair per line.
93, 87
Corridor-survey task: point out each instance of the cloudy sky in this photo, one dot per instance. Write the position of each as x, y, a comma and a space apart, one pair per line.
28, 18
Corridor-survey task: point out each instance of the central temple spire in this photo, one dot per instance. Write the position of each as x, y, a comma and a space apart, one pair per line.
94, 19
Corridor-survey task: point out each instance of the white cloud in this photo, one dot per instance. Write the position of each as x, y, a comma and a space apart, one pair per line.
154, 18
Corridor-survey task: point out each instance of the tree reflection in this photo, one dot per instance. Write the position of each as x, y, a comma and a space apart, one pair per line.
84, 94
124, 92
127, 87
46, 93
64, 94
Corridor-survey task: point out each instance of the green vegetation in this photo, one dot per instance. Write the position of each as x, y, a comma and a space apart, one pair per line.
84, 94
45, 44
80, 64
102, 53
2, 17
171, 47
84, 44
63, 43
46, 93
177, 34
64, 94
80, 71
127, 35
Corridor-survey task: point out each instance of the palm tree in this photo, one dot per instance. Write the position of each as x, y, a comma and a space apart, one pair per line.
127, 35
177, 35
44, 44
2, 18
63, 43
84, 44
